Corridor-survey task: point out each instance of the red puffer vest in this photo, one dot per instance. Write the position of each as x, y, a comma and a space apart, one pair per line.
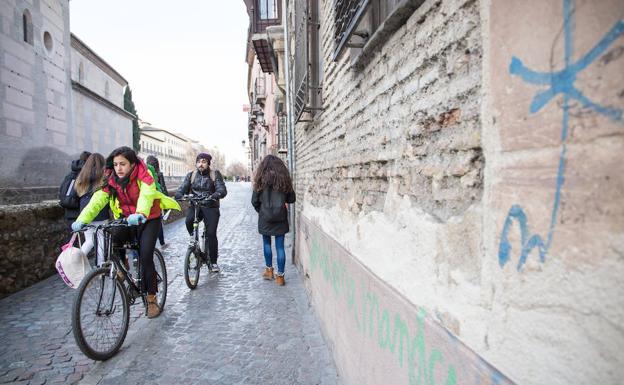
129, 196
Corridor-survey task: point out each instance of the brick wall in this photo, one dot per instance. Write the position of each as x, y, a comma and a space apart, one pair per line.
459, 165
410, 116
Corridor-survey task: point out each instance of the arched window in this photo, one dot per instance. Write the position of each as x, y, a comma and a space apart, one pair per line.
81, 73
27, 27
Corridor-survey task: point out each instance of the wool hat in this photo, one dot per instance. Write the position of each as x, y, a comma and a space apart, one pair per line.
203, 155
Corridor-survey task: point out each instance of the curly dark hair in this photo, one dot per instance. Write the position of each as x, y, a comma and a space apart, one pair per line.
272, 172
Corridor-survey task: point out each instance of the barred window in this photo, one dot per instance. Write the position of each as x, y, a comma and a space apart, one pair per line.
308, 60
282, 135
357, 21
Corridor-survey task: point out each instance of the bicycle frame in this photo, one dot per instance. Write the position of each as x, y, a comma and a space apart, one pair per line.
116, 265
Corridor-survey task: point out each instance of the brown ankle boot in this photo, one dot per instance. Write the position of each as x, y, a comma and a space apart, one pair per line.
280, 280
153, 310
268, 273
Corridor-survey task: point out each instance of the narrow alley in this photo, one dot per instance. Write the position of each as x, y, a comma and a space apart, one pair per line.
234, 328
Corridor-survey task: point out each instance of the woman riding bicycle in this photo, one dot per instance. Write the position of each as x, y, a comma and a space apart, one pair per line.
131, 192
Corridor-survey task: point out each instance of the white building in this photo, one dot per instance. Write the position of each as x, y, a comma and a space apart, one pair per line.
57, 97
100, 121
169, 148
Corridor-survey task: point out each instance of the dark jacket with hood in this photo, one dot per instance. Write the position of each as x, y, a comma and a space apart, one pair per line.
208, 183
76, 166
272, 211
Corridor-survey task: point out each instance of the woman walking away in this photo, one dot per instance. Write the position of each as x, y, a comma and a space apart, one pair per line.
131, 193
272, 191
89, 180
161, 186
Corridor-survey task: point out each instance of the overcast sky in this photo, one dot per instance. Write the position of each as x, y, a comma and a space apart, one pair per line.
184, 61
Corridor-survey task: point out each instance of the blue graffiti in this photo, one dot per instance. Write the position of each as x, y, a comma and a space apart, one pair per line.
560, 82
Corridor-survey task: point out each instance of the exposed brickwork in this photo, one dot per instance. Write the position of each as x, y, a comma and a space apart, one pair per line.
411, 115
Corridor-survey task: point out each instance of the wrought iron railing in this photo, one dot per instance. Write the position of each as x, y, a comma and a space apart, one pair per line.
300, 52
347, 15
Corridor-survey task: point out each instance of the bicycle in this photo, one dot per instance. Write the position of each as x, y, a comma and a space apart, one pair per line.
101, 310
196, 254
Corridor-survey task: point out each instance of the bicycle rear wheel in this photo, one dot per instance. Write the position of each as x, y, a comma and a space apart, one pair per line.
161, 279
192, 265
100, 315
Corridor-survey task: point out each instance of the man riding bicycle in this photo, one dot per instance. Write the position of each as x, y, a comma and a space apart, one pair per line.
204, 181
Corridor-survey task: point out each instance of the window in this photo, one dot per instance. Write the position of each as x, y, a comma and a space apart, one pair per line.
48, 43
356, 22
308, 61
81, 73
268, 9
27, 27
107, 90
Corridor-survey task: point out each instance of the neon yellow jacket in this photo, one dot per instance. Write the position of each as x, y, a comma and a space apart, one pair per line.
148, 193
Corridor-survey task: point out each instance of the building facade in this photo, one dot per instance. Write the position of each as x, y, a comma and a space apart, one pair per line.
100, 121
171, 150
267, 113
458, 215
57, 97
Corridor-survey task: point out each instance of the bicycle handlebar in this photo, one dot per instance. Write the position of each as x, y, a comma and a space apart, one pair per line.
121, 222
197, 198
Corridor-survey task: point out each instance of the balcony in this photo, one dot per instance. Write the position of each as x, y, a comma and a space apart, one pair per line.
263, 14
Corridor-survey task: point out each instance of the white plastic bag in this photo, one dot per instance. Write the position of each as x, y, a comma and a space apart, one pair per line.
72, 265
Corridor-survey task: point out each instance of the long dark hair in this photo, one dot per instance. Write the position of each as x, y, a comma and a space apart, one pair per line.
124, 151
153, 161
91, 175
272, 172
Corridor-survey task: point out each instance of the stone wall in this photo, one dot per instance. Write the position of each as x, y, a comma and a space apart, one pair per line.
471, 164
30, 241
35, 108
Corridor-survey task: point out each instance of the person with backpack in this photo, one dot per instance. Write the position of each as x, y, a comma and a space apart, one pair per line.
130, 191
68, 199
204, 181
272, 191
152, 161
89, 180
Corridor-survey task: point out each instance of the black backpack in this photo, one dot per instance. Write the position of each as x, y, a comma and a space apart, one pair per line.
273, 207
68, 198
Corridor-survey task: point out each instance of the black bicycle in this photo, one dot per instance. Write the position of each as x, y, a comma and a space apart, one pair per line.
196, 254
101, 311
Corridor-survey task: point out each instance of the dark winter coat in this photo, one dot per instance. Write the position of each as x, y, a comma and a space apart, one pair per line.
204, 184
76, 166
272, 210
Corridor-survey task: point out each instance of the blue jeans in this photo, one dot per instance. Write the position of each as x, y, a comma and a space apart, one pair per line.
281, 253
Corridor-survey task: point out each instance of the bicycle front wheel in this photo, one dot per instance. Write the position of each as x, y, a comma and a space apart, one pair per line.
161, 279
100, 315
192, 265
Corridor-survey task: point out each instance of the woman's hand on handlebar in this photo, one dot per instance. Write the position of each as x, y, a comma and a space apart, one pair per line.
136, 219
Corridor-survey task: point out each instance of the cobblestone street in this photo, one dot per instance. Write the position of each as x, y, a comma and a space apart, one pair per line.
235, 328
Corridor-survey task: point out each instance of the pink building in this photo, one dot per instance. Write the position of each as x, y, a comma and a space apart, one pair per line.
267, 115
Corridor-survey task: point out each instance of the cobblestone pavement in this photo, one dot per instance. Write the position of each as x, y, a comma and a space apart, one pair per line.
235, 328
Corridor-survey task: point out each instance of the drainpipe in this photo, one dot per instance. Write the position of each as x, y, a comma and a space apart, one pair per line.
290, 123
